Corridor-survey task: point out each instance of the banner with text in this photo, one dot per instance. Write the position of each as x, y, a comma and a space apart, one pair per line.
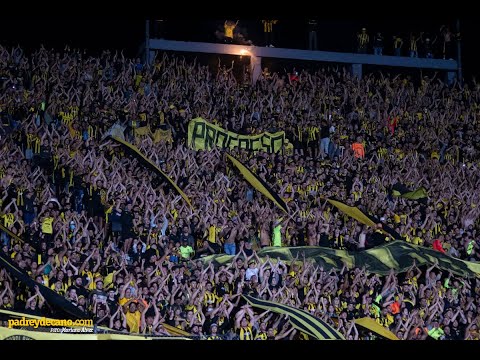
203, 135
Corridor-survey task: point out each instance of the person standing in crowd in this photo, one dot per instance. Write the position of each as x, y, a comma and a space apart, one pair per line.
378, 44
159, 28
229, 28
277, 233
268, 32
358, 148
447, 42
324, 138
397, 45
413, 46
312, 34
427, 47
362, 41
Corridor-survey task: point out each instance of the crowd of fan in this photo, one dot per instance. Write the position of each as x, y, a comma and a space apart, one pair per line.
439, 45
101, 230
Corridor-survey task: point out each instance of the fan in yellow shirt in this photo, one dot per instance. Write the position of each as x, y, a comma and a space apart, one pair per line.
133, 315
229, 27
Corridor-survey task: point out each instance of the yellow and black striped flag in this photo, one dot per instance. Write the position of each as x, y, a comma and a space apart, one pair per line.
398, 255
300, 319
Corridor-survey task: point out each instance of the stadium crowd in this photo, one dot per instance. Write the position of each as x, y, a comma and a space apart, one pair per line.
101, 230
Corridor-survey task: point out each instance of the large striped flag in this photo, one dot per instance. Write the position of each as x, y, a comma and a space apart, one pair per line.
398, 255
300, 319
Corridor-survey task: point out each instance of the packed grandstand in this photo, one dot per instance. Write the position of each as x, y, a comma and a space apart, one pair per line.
176, 199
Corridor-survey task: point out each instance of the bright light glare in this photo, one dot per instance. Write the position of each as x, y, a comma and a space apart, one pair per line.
243, 52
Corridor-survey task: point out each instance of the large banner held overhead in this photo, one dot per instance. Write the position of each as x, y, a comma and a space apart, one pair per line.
398, 255
203, 135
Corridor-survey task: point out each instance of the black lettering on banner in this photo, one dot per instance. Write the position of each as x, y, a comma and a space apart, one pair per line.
232, 141
254, 146
278, 142
221, 139
244, 143
213, 136
210, 137
198, 133
266, 143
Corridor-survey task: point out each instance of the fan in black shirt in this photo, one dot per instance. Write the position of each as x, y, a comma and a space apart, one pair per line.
35, 303
79, 288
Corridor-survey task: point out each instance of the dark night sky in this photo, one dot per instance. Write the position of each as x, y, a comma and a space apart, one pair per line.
126, 32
